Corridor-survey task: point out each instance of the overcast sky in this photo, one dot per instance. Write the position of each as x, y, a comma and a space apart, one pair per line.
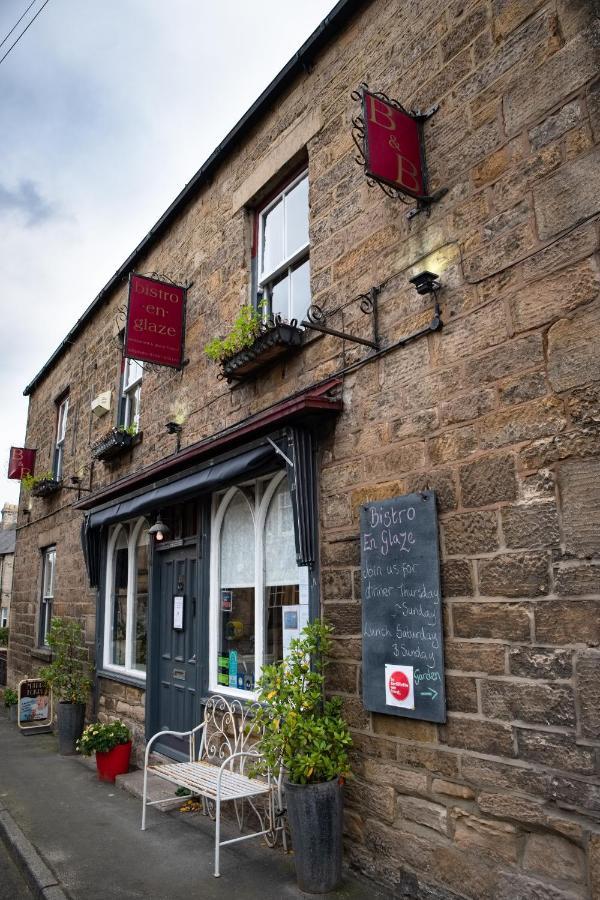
107, 109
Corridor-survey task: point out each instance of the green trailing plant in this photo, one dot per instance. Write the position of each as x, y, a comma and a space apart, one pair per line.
3, 637
30, 481
303, 731
100, 738
127, 429
10, 698
68, 673
246, 328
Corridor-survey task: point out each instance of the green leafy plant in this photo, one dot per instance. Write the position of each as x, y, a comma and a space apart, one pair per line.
244, 332
30, 481
100, 738
303, 731
3, 637
68, 673
127, 429
10, 697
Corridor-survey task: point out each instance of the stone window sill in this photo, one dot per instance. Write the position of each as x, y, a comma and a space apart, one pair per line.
41, 653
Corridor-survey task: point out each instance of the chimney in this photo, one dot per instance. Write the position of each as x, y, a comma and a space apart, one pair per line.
9, 516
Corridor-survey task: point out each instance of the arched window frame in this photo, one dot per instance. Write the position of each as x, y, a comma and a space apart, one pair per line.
259, 510
133, 530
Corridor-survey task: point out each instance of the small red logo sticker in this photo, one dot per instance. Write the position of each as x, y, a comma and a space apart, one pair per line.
399, 685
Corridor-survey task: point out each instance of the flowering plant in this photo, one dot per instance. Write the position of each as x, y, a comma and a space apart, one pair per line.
99, 738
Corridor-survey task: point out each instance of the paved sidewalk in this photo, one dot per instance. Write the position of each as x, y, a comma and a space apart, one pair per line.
88, 836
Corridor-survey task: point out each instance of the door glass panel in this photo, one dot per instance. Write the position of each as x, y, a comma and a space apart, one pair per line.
119, 602
296, 218
236, 648
140, 606
281, 569
272, 250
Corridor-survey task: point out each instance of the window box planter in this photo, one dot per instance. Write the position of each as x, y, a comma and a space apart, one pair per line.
113, 444
46, 487
274, 341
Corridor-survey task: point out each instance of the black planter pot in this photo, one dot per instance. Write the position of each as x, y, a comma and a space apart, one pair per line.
275, 340
70, 726
46, 487
112, 445
315, 814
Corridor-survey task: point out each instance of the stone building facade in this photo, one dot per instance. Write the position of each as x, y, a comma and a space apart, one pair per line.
498, 413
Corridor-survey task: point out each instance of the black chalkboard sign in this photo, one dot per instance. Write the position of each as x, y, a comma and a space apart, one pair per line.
403, 645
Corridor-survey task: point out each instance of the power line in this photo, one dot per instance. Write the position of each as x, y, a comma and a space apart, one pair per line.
14, 44
4, 40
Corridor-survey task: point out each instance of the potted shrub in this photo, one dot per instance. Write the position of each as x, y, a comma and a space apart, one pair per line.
11, 701
306, 734
253, 342
115, 442
42, 485
68, 676
111, 742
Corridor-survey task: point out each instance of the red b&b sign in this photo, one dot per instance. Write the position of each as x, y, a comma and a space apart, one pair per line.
21, 462
155, 322
393, 146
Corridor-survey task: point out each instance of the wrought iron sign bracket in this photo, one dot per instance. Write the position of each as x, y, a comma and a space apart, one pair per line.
395, 189
316, 318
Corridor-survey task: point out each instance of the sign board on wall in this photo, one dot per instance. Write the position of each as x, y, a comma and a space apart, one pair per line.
403, 645
393, 146
21, 462
155, 327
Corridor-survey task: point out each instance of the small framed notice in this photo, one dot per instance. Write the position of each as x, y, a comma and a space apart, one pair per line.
35, 705
178, 609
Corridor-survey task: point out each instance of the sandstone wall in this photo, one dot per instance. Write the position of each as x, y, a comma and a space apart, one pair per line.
498, 413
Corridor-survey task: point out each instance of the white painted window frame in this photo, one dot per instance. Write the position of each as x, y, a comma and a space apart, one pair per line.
47, 596
220, 505
134, 528
131, 387
4, 617
61, 431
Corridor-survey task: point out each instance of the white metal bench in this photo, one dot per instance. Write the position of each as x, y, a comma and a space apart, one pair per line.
228, 741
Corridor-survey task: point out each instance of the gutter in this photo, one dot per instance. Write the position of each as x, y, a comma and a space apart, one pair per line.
302, 60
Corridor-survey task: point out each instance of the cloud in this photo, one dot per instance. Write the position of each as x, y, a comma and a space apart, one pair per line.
26, 199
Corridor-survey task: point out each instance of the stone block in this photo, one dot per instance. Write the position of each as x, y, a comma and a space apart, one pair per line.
509, 189
576, 578
373, 492
337, 584
498, 253
594, 863
552, 856
572, 621
509, 14
376, 800
397, 460
488, 480
343, 552
538, 703
478, 736
554, 295
555, 750
556, 125
342, 677
496, 840
508, 359
505, 805
577, 443
406, 729
580, 494
568, 196
442, 481
561, 74
452, 789
405, 781
522, 423
499, 621
461, 694
512, 886
453, 412
583, 405
533, 526
470, 533
522, 388
514, 575
574, 245
490, 169
423, 812
472, 656
457, 578
470, 26
540, 662
354, 712
346, 618
452, 445
571, 344
440, 762
587, 668
417, 424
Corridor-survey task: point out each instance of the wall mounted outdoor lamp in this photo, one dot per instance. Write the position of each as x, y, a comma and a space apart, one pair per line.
429, 283
159, 530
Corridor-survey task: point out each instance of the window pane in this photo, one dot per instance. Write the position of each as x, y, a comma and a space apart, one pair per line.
132, 406
236, 649
62, 420
133, 372
119, 602
140, 608
280, 297
49, 559
296, 218
300, 300
281, 570
272, 248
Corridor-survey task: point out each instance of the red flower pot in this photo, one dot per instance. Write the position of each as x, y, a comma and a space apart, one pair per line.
114, 762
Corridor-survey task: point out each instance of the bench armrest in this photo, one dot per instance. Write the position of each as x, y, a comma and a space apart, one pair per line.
179, 734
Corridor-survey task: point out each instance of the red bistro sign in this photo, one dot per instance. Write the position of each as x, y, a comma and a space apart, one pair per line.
155, 322
21, 462
392, 146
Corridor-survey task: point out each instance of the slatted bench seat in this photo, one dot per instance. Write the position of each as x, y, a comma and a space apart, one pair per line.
217, 773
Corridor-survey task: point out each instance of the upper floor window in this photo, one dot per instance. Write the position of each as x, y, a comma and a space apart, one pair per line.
283, 267
126, 603
61, 430
4, 617
132, 392
47, 599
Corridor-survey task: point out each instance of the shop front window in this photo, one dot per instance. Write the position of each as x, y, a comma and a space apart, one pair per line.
126, 603
259, 595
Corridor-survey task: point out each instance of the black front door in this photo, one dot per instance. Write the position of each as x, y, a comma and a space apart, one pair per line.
176, 697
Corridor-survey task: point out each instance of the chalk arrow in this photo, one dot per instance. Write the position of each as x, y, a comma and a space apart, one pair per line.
429, 693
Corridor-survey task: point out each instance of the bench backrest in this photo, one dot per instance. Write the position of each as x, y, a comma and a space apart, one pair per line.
230, 726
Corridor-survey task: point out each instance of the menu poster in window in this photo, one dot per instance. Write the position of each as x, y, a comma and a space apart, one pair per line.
35, 703
403, 645
294, 618
178, 606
